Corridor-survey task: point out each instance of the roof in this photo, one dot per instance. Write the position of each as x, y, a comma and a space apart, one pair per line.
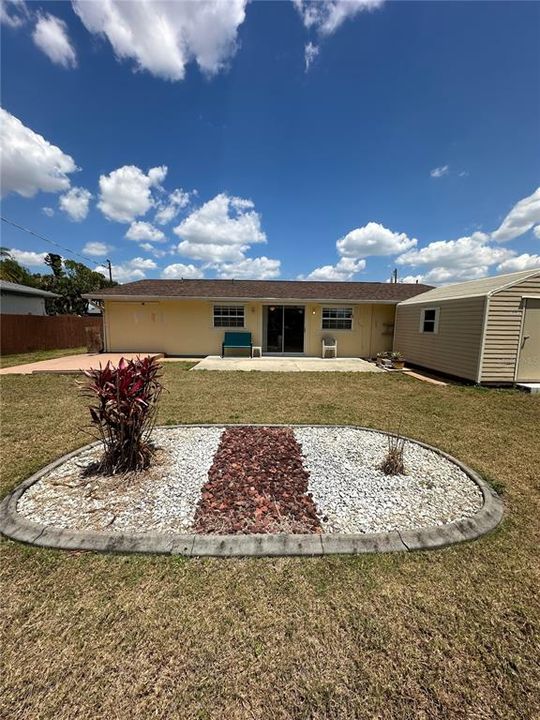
16, 289
472, 288
261, 290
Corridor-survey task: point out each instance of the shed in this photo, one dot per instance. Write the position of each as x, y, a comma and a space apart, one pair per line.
487, 330
18, 299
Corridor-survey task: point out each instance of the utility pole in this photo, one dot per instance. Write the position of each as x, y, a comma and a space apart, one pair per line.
394, 276
110, 270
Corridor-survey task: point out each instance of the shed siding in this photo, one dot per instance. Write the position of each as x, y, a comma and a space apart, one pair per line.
503, 330
455, 348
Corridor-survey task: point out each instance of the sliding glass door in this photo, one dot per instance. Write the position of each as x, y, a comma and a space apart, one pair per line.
284, 328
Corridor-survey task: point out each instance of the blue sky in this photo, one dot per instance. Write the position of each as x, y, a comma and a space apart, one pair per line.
274, 139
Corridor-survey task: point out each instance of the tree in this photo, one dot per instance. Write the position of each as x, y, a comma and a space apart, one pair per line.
70, 280
54, 261
12, 271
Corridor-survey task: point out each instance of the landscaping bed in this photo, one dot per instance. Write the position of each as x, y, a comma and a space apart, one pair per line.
253, 479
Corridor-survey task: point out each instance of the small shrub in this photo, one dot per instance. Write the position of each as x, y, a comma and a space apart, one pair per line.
393, 460
125, 411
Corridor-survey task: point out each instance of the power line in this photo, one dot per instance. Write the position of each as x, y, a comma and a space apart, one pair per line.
42, 237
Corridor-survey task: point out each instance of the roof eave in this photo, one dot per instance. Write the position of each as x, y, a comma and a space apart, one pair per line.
153, 298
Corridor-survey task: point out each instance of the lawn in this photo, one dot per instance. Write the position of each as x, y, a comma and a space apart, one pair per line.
37, 355
441, 634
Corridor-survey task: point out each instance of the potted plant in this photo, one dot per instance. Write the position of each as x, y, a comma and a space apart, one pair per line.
384, 359
398, 361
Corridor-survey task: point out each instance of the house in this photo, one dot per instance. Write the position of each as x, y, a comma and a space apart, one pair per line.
189, 317
18, 299
487, 331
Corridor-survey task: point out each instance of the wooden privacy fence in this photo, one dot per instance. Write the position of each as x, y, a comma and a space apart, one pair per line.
26, 333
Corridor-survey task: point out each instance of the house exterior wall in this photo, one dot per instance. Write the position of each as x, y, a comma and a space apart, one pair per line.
185, 327
455, 348
13, 304
503, 331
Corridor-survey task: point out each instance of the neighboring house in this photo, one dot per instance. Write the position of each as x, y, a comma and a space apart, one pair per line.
190, 317
484, 330
18, 299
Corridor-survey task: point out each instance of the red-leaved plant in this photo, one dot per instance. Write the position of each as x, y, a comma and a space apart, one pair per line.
125, 411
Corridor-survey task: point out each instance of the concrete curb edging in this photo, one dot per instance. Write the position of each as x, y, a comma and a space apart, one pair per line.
15, 526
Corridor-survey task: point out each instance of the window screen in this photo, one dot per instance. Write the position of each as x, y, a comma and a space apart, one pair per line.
228, 316
337, 318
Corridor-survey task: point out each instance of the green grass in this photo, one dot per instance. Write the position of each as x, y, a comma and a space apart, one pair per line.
441, 634
36, 356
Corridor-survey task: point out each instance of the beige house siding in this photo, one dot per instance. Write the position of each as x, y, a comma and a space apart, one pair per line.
455, 348
503, 330
186, 327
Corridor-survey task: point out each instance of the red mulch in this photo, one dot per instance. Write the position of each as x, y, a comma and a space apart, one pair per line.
257, 484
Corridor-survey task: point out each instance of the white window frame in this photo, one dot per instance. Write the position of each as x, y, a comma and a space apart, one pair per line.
342, 307
437, 311
228, 306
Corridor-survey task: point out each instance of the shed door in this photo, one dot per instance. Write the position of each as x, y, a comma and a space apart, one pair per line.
529, 356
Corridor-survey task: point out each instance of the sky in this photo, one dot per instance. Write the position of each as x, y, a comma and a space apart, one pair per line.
335, 140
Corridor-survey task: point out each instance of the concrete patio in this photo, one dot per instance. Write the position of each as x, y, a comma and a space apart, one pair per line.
286, 364
70, 364
74, 364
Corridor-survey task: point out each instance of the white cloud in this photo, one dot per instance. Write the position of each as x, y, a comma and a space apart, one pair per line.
27, 257
179, 270
13, 13
439, 171
141, 230
521, 262
48, 211
163, 37
148, 247
129, 270
96, 249
536, 232
412, 279
212, 252
344, 270
310, 53
222, 230
51, 36
126, 192
466, 258
75, 203
259, 268
520, 219
167, 211
373, 239
29, 163
326, 16
143, 263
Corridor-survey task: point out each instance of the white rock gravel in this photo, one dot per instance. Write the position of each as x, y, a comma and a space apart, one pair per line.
353, 496
161, 499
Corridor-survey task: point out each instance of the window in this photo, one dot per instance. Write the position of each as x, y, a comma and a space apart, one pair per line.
337, 319
228, 316
429, 320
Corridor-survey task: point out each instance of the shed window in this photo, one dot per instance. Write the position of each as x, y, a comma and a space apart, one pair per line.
228, 316
429, 321
337, 318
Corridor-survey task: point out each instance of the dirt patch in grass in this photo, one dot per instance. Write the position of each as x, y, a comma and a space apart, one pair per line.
414, 636
257, 484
